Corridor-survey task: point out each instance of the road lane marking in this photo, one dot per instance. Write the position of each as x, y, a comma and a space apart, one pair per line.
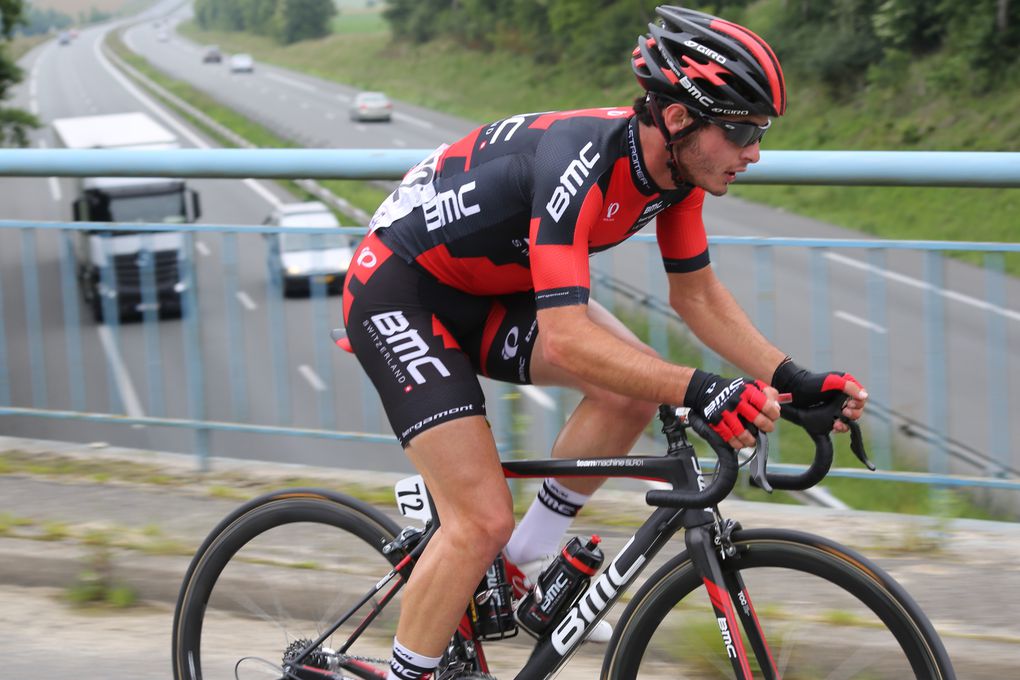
53, 181
171, 121
246, 301
343, 97
858, 321
399, 142
121, 377
330, 115
314, 380
413, 121
292, 82
202, 249
922, 285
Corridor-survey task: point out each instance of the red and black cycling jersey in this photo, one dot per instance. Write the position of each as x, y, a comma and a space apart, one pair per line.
520, 205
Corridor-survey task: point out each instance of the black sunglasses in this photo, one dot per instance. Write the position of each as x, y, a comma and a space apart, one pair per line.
741, 134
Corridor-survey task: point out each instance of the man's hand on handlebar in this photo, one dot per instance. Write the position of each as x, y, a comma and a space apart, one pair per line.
733, 407
810, 389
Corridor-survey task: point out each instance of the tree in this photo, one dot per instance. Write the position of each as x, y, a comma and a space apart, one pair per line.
303, 20
14, 123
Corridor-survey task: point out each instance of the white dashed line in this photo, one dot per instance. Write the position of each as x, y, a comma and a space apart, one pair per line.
399, 142
858, 321
314, 380
202, 249
290, 81
246, 301
403, 117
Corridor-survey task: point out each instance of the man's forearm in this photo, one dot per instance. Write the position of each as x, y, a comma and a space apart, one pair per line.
719, 322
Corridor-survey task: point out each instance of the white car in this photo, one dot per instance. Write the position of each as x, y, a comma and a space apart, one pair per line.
303, 258
371, 106
242, 63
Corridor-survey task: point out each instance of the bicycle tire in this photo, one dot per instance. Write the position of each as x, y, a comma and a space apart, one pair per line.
276, 530
902, 638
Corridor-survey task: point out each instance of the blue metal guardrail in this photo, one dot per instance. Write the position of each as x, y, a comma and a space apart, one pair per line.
991, 469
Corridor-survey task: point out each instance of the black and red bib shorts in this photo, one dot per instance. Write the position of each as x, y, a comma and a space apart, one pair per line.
423, 343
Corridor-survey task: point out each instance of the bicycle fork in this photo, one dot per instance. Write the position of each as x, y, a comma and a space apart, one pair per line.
708, 544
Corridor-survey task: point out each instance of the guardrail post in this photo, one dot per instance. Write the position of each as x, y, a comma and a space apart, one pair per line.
193, 349
108, 327
320, 339
879, 429
235, 329
72, 321
150, 320
765, 312
33, 322
5, 376
821, 328
278, 345
936, 364
997, 361
658, 334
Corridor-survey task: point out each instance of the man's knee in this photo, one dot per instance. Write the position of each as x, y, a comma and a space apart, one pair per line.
485, 530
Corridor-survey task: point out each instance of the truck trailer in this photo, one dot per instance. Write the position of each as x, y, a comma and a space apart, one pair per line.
126, 271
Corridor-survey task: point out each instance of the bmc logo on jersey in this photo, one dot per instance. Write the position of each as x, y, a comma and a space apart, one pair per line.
448, 206
407, 344
570, 181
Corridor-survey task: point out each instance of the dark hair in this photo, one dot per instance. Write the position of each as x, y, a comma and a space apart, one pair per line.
644, 116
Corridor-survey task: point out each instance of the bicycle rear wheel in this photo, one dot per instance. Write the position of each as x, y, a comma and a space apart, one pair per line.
276, 573
825, 611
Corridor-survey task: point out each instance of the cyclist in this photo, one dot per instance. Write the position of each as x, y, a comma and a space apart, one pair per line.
478, 264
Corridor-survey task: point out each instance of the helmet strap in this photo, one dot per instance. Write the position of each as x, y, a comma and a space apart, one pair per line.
671, 139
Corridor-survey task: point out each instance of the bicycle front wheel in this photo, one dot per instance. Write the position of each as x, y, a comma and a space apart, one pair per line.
272, 577
825, 611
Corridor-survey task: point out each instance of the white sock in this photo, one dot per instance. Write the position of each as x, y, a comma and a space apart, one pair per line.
408, 665
543, 525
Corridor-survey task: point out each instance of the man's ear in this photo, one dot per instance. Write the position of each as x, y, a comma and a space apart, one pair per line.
677, 117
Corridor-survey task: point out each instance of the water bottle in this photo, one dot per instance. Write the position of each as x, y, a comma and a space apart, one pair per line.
492, 613
559, 585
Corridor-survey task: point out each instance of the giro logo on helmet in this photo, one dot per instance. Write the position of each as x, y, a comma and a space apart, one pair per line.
711, 54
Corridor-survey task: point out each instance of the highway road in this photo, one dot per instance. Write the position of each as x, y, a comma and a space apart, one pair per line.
78, 80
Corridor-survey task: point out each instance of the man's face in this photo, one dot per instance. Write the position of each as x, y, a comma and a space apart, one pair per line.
709, 160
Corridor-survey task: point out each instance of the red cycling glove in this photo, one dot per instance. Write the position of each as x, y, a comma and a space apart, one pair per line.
729, 405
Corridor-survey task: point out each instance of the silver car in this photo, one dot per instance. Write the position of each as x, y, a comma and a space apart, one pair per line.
371, 106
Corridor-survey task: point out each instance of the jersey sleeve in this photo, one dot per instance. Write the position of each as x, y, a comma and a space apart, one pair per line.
566, 204
680, 232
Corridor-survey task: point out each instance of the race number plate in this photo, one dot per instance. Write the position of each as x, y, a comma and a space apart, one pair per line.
412, 498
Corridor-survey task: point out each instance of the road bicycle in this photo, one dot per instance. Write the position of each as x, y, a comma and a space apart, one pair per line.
304, 584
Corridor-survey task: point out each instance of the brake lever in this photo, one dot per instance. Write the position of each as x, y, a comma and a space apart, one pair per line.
759, 462
857, 442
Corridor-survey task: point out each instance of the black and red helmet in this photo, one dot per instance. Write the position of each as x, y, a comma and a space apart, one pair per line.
712, 65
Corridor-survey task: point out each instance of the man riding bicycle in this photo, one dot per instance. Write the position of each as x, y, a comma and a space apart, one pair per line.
478, 264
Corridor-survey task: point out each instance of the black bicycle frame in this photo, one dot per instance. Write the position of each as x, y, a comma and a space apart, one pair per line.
680, 467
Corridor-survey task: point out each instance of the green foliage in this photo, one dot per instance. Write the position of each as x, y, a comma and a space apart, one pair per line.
286, 21
14, 123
